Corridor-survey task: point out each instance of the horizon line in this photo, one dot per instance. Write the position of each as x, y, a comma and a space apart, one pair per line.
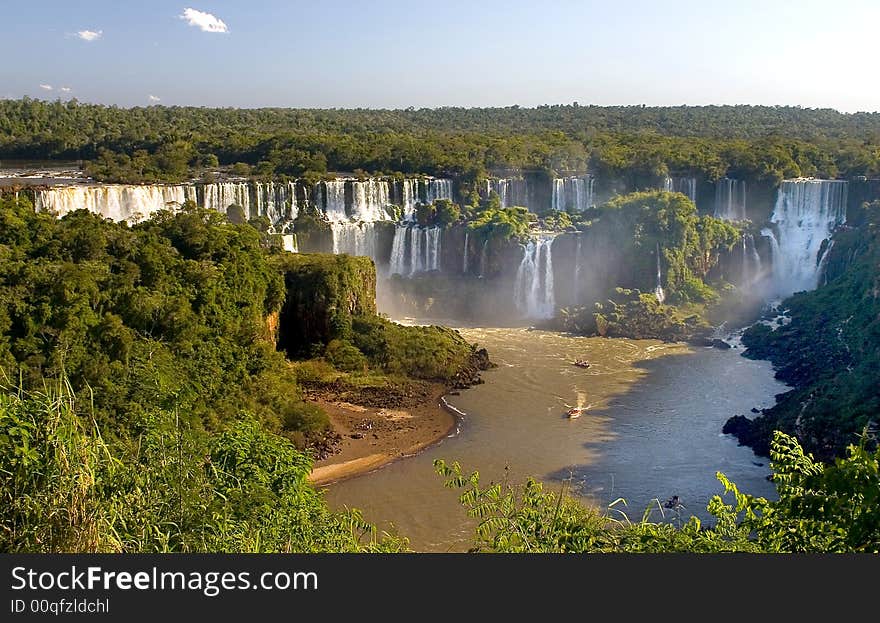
573, 104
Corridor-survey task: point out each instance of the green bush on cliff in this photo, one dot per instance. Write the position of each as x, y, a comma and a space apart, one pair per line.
690, 245
433, 353
169, 313
503, 223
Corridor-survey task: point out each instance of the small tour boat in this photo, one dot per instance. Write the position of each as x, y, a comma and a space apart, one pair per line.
575, 412
580, 363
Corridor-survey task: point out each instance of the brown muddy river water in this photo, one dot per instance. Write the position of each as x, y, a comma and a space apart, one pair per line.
652, 430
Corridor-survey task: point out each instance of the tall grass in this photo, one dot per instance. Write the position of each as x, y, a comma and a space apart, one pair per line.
164, 488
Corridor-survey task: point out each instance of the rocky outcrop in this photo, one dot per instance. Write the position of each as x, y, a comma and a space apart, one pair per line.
323, 293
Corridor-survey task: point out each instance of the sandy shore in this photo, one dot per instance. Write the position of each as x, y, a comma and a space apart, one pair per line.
372, 437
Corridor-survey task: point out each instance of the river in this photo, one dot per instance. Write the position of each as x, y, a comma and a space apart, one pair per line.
652, 430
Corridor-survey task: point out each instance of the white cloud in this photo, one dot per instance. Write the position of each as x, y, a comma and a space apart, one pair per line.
153, 99
204, 21
65, 89
89, 35
46, 87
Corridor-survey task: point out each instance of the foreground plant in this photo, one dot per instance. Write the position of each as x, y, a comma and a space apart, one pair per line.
821, 508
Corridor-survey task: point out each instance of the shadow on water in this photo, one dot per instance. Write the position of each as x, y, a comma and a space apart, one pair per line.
668, 438
651, 429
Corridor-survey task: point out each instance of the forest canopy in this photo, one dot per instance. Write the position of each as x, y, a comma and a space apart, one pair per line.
159, 143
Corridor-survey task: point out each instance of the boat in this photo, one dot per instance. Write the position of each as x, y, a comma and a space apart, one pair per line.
580, 363
575, 412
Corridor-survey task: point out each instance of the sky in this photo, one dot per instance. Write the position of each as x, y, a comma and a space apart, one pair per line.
397, 54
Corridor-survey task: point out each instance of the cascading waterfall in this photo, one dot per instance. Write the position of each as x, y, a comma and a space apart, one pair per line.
464, 267
751, 262
334, 200
576, 290
412, 191
122, 202
533, 290
289, 243
730, 199
684, 185
350, 205
354, 238
806, 213
415, 250
437, 188
510, 191
370, 200
409, 197
114, 201
658, 290
397, 261
572, 194
432, 248
276, 201
484, 257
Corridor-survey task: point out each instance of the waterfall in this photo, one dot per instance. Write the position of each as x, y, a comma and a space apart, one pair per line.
115, 201
288, 243
464, 267
806, 213
416, 258
484, 257
334, 200
409, 198
730, 199
397, 262
369, 200
123, 202
415, 250
354, 238
511, 191
658, 290
576, 290
572, 194
220, 195
533, 290
432, 248
277, 202
751, 262
684, 185
437, 189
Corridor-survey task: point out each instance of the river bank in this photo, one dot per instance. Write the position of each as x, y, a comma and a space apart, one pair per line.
371, 437
652, 430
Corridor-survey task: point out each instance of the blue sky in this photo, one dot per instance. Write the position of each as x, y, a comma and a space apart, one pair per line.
394, 54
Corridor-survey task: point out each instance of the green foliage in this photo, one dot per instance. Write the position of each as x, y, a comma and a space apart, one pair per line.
323, 293
169, 312
827, 352
446, 212
432, 353
633, 143
634, 315
235, 214
345, 356
690, 245
170, 488
557, 221
502, 223
820, 509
